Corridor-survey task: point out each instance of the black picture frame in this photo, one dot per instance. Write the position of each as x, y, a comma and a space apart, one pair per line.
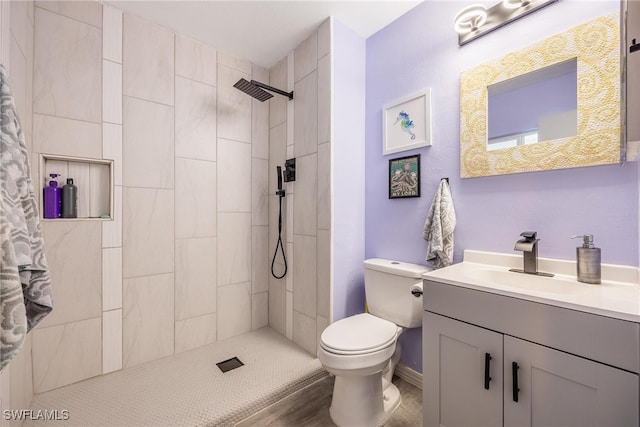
404, 177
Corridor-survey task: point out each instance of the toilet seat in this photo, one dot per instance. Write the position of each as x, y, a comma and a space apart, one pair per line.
359, 334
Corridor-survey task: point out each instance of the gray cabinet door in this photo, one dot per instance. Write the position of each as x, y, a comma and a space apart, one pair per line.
559, 389
454, 359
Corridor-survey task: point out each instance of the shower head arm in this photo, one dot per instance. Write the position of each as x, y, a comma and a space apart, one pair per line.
273, 89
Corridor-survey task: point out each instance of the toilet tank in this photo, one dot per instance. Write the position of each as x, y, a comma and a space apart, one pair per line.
387, 286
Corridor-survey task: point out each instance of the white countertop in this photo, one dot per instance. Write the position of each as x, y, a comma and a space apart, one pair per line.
618, 296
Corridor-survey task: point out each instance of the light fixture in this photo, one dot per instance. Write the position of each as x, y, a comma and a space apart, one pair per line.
470, 18
476, 20
514, 4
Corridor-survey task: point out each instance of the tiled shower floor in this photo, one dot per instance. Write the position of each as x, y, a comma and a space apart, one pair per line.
188, 389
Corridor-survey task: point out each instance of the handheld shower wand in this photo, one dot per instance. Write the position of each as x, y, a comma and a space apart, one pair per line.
281, 194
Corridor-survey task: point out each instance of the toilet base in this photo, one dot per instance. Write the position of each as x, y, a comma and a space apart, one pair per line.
360, 401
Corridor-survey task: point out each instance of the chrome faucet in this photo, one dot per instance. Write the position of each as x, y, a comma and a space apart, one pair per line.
529, 248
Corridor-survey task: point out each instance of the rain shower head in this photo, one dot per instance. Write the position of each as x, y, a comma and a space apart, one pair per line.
255, 89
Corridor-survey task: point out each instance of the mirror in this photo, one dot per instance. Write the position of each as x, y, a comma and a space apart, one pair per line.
552, 105
538, 106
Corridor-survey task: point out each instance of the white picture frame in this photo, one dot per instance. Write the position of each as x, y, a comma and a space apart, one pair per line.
406, 123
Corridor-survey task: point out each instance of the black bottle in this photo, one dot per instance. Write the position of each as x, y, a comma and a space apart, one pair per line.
69, 200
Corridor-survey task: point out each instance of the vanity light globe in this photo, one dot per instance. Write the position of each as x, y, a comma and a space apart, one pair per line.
470, 18
514, 4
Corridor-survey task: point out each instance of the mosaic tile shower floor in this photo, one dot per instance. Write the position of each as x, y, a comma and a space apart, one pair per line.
188, 389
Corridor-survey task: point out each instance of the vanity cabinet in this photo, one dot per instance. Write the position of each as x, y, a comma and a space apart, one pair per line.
492, 360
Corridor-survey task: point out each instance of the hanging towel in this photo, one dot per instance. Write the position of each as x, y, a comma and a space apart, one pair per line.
438, 229
21, 237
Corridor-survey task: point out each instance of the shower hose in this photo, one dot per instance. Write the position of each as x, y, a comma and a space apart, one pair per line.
279, 245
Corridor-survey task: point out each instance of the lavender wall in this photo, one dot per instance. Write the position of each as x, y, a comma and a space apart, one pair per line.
348, 171
420, 50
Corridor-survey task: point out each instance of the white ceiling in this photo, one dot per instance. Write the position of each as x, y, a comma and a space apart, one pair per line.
264, 31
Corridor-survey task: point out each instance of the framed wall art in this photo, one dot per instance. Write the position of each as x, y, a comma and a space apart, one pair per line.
404, 177
406, 123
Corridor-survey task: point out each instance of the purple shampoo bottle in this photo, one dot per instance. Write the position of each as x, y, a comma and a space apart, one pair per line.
52, 198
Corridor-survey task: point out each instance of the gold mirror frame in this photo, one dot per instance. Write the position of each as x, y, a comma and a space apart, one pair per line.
596, 45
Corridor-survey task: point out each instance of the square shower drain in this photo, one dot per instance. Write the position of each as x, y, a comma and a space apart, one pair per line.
229, 364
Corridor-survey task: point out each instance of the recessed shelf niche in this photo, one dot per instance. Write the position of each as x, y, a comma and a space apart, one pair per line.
93, 177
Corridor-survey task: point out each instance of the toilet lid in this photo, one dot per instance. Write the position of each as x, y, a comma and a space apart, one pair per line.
361, 333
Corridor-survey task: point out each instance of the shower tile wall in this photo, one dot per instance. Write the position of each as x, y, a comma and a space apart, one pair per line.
16, 385
299, 307
184, 262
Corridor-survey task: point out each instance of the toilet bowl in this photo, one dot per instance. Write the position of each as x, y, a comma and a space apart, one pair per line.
363, 350
357, 350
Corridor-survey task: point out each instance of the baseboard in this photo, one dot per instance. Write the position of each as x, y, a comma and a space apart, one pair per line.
409, 375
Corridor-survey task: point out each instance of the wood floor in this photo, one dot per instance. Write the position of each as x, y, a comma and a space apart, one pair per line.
309, 407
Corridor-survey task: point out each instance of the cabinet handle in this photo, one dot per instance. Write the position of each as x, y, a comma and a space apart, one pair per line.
487, 370
514, 374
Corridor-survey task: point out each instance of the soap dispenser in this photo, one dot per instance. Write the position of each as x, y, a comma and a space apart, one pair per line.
588, 260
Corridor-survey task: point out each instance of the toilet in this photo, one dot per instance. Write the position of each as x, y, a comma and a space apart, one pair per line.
362, 350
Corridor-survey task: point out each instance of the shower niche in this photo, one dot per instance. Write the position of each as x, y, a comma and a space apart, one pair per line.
92, 177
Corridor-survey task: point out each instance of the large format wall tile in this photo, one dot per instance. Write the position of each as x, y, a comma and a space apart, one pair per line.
260, 191
18, 71
260, 259
66, 137
234, 248
67, 68
74, 254
112, 33
324, 270
67, 353
306, 115
147, 144
324, 99
277, 305
111, 278
112, 230
306, 57
195, 332
112, 149
195, 277
148, 322
304, 332
18, 22
89, 12
305, 207
260, 310
324, 38
324, 186
195, 198
304, 276
234, 310
195, 61
234, 106
111, 341
148, 61
277, 153
232, 62
147, 232
278, 104
234, 176
112, 92
260, 119
195, 120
